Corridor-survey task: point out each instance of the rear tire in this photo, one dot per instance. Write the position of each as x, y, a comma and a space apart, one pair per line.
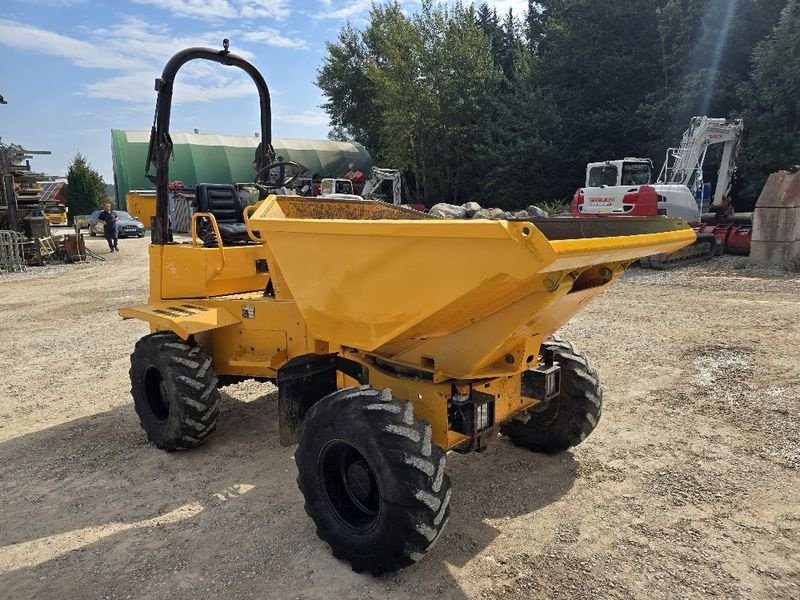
174, 391
567, 420
373, 482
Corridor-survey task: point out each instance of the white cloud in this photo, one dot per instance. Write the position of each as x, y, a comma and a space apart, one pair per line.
223, 9
196, 82
276, 9
358, 10
502, 6
273, 37
201, 93
112, 48
115, 113
156, 43
78, 52
136, 86
309, 117
202, 9
352, 9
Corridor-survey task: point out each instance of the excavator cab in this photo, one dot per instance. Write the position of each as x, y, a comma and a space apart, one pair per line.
629, 171
637, 172
602, 174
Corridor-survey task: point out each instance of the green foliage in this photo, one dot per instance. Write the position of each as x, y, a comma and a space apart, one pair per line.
705, 54
343, 79
524, 149
430, 78
556, 207
86, 190
507, 111
772, 102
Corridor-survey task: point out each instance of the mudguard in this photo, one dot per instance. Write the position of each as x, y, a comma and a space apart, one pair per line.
183, 318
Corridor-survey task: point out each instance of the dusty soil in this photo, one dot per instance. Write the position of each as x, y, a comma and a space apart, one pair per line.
689, 488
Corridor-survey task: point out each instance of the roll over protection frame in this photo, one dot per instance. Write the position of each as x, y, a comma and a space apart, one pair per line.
160, 147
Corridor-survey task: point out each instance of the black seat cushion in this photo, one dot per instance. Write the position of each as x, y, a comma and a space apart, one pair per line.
233, 232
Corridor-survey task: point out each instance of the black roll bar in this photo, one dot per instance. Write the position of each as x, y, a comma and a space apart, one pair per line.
160, 148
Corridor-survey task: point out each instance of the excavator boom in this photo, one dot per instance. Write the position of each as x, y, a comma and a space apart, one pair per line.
684, 165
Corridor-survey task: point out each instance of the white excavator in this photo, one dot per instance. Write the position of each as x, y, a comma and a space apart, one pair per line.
372, 189
623, 187
348, 187
387, 185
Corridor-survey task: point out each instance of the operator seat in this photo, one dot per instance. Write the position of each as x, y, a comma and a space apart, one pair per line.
222, 201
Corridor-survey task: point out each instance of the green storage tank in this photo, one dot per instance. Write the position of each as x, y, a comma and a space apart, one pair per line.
225, 158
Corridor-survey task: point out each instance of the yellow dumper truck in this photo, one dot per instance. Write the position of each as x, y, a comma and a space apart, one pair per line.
393, 337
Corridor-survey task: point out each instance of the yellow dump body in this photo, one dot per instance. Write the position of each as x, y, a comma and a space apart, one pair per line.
461, 299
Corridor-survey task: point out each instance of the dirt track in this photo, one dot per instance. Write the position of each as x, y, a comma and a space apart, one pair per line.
689, 488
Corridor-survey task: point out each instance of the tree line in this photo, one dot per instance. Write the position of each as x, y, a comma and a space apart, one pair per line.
507, 110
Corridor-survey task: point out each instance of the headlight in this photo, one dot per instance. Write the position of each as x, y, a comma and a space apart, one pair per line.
470, 411
483, 416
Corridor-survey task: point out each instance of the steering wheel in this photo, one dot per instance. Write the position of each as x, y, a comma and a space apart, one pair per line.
265, 186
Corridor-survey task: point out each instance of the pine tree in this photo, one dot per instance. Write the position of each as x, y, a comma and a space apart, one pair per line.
535, 26
86, 190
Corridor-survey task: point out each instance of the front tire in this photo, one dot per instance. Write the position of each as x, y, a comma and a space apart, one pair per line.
174, 391
567, 420
373, 482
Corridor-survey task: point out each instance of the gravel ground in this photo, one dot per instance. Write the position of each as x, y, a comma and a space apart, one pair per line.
689, 488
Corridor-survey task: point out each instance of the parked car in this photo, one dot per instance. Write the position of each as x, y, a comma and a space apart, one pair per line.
127, 226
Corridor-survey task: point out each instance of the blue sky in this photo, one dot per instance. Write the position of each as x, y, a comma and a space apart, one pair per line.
74, 69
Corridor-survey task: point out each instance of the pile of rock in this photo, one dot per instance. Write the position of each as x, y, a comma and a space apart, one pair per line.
473, 210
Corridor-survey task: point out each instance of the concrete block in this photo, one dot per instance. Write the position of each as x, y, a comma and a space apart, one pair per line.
784, 254
776, 224
782, 190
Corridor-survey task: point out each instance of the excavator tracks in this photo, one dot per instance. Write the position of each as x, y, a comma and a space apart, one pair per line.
705, 248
